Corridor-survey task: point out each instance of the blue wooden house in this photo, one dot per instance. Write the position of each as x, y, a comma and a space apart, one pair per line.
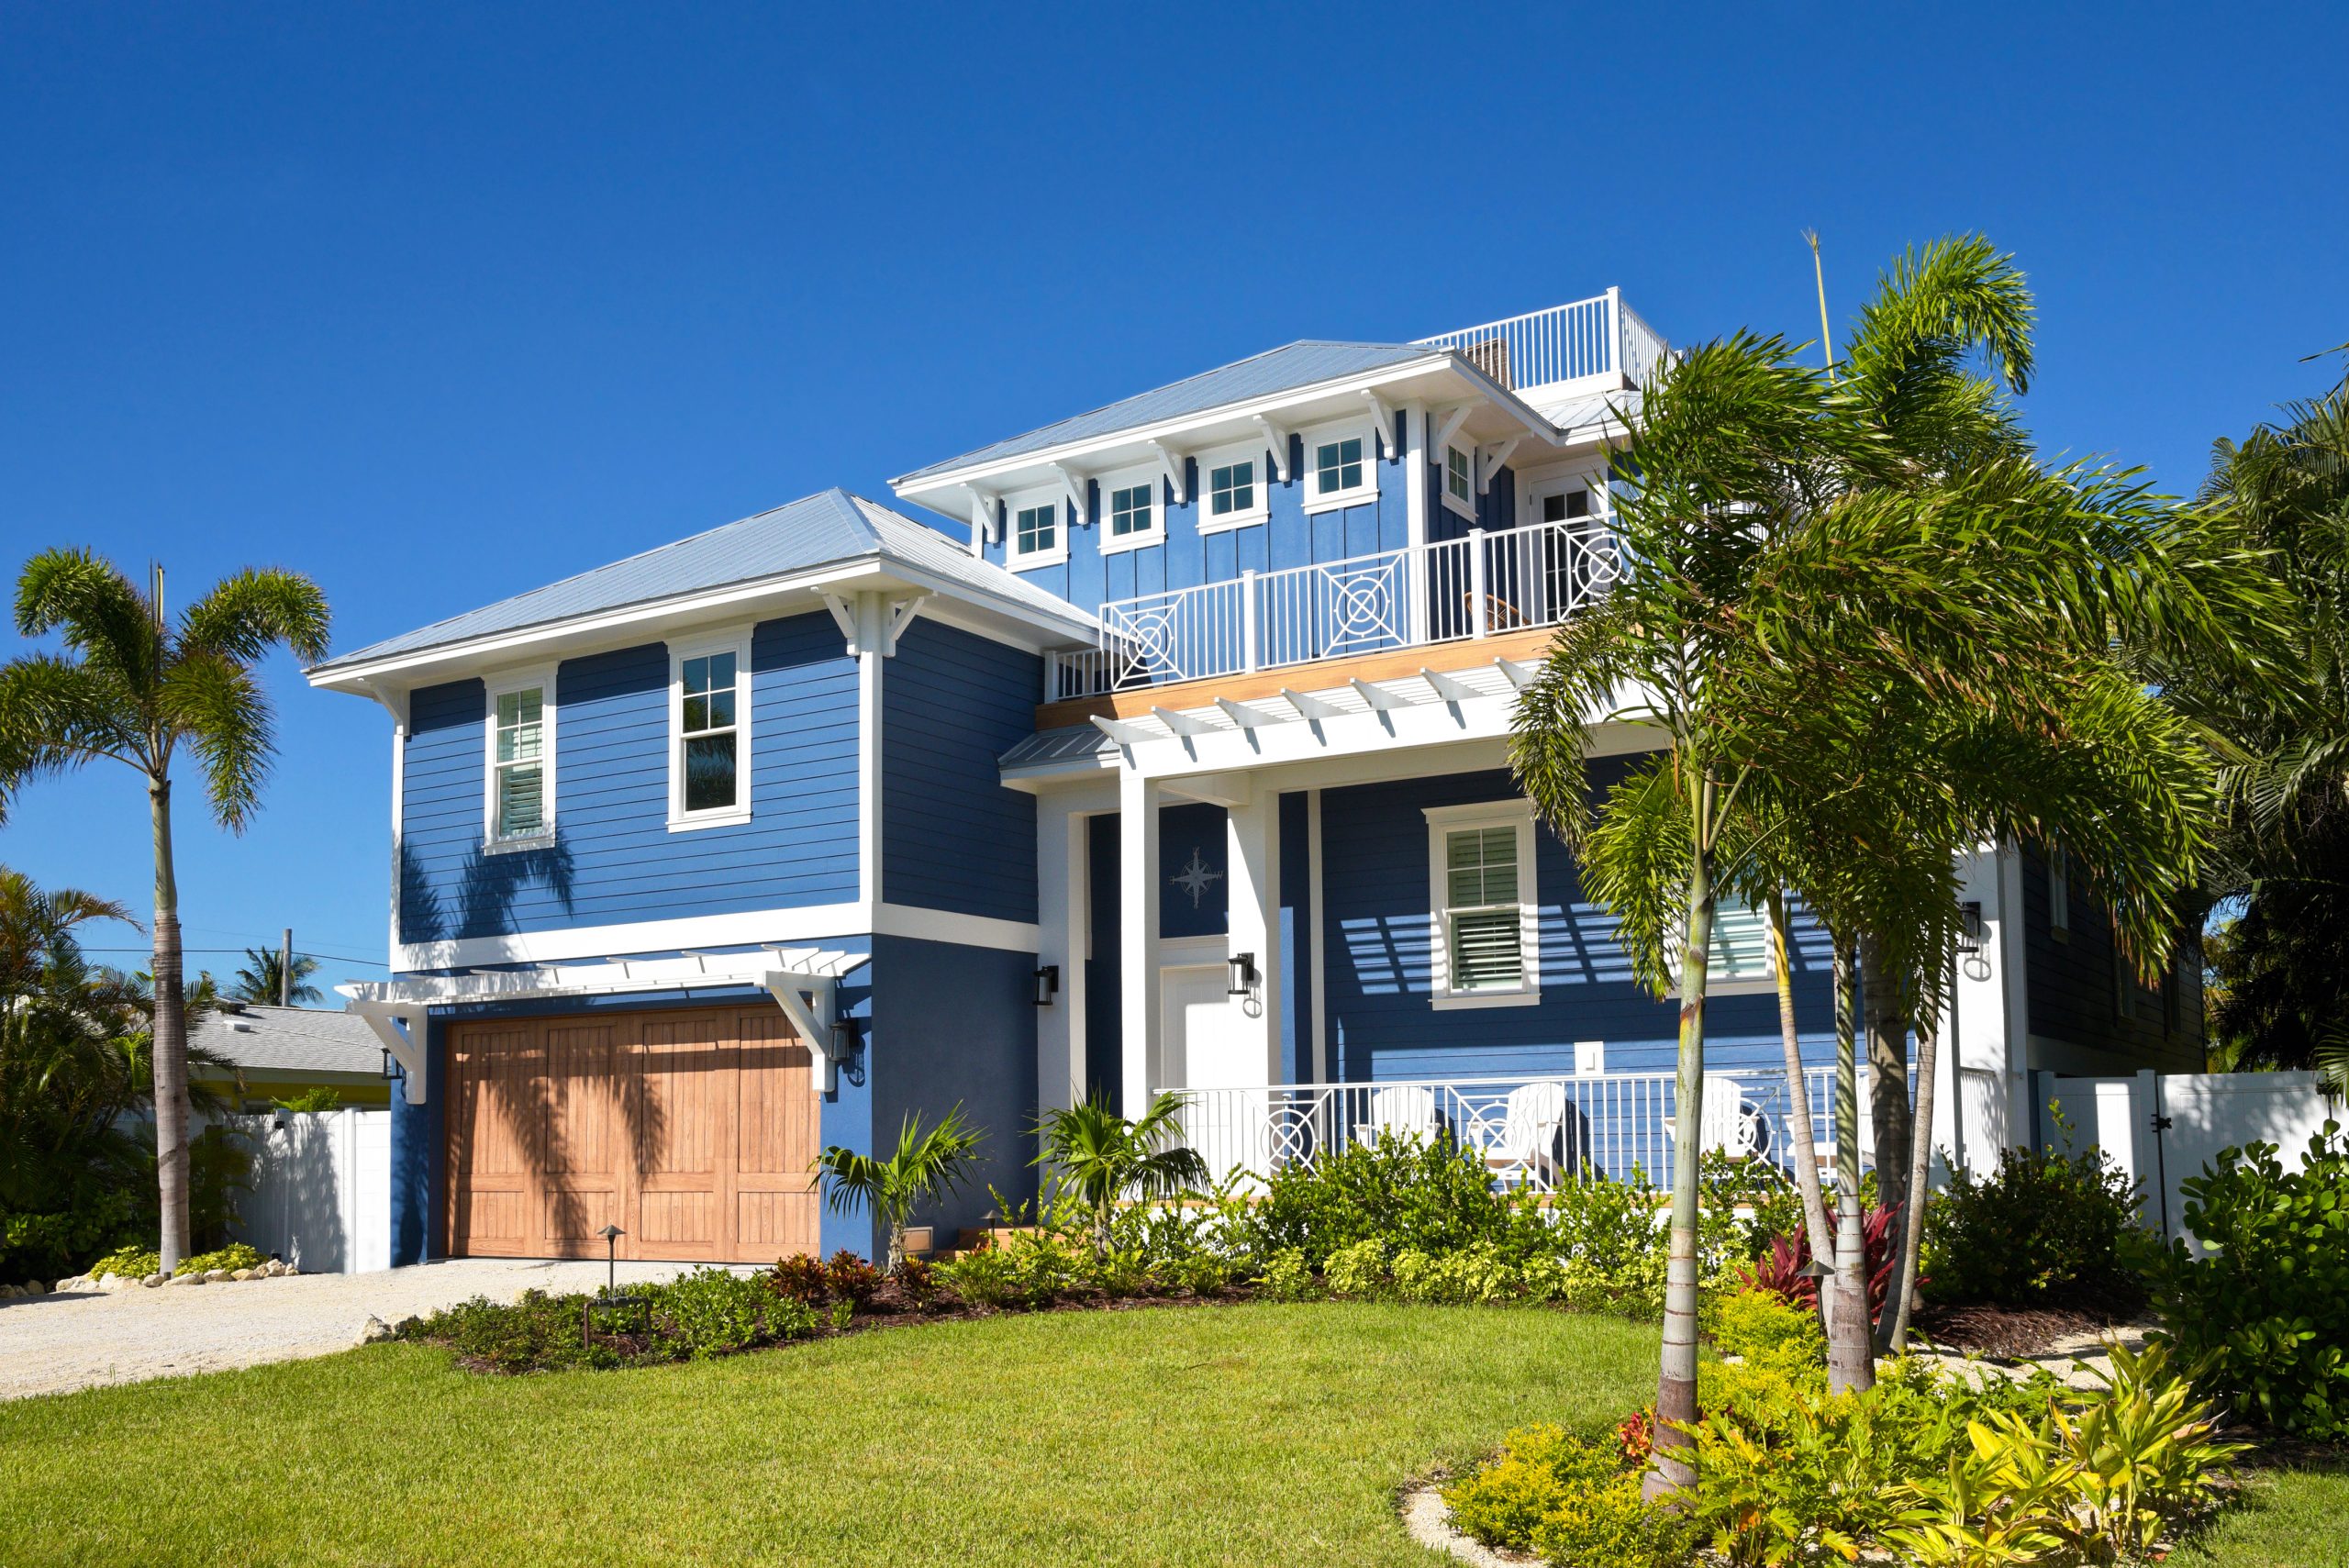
1160, 748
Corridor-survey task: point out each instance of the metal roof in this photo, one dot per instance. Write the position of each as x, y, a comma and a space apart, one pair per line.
828, 529
290, 1039
1264, 375
1070, 743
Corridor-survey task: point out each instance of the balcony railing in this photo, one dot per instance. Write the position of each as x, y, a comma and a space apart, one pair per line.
1600, 337
1452, 590
1538, 1131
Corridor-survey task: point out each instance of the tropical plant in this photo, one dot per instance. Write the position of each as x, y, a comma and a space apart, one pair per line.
926, 1165
2045, 1228
1101, 1158
134, 687
266, 970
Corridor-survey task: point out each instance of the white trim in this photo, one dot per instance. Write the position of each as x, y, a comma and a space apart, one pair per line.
1442, 821
1260, 486
1466, 451
737, 642
1362, 495
1017, 559
539, 678
1144, 477
871, 612
809, 923
1718, 984
1321, 986
1193, 952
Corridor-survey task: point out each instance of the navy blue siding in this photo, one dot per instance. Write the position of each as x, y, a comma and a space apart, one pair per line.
614, 859
418, 1160
1193, 834
1105, 1064
2073, 986
951, 836
1378, 928
1294, 937
956, 1026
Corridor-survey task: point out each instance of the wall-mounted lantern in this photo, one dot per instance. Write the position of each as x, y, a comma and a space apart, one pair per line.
1970, 956
1048, 984
1243, 974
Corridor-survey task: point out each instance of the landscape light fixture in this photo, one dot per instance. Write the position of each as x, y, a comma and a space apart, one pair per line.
1243, 974
611, 1235
1048, 984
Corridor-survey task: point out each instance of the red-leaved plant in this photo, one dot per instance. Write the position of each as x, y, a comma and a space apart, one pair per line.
1635, 1433
1780, 1268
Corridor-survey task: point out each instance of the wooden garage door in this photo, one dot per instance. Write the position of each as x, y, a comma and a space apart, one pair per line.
693, 1131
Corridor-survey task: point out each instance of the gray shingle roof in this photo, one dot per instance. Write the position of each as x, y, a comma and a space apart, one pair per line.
824, 529
291, 1039
1264, 375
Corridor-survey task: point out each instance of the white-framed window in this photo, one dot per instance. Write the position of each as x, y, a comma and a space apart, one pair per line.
1035, 526
1341, 466
518, 804
1486, 947
1741, 962
1460, 479
1232, 487
1131, 516
709, 731
2059, 894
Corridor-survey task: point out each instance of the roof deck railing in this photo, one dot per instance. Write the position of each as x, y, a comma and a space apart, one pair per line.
1596, 336
1479, 584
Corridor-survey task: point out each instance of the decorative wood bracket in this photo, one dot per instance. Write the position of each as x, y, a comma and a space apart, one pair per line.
1386, 417
1489, 461
1176, 472
1073, 484
1276, 437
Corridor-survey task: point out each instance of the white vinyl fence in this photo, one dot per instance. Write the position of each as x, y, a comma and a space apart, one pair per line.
321, 1193
2164, 1129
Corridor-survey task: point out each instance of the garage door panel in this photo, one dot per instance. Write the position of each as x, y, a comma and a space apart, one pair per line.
494, 1222
585, 1132
680, 1118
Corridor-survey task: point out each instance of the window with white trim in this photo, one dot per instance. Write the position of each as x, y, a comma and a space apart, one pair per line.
710, 733
519, 797
1741, 951
1232, 487
1036, 530
1486, 947
1460, 480
1131, 516
1342, 467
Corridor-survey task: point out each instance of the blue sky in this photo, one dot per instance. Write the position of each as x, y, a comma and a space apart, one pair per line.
440, 306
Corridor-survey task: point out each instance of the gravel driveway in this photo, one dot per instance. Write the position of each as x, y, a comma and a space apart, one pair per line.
51, 1344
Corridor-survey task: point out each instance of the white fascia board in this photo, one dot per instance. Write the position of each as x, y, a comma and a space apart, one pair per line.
1169, 430
812, 923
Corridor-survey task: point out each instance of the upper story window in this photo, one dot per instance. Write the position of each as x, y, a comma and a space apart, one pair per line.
709, 722
1340, 467
1233, 493
1037, 537
1487, 930
519, 801
1460, 480
1133, 504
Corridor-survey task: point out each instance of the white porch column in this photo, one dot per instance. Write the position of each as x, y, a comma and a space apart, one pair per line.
1138, 986
1988, 1019
1062, 918
1254, 900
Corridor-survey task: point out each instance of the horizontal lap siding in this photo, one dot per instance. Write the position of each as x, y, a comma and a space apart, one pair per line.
1377, 931
614, 859
951, 836
2070, 988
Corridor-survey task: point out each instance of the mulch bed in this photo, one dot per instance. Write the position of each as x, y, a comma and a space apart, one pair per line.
2004, 1330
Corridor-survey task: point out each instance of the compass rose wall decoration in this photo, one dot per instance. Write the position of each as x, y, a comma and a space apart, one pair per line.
1195, 878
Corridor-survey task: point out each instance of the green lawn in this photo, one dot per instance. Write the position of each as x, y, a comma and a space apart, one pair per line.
1255, 1434
1237, 1435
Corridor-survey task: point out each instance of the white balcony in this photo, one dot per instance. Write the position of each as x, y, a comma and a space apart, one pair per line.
1592, 345
1450, 591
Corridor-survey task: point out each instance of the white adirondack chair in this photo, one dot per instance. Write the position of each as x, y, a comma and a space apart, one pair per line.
1529, 1128
1403, 1111
1731, 1123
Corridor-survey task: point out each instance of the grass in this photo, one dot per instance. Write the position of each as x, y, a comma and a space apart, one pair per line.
1256, 1434
2289, 1518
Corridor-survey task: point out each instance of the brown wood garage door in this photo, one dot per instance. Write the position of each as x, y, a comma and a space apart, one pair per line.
693, 1131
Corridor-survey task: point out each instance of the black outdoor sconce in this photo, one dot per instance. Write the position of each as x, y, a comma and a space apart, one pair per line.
390, 1067
1048, 984
1970, 956
1243, 974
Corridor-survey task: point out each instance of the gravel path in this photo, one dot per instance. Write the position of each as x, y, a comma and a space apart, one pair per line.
51, 1344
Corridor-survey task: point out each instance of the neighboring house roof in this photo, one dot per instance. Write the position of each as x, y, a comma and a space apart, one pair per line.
828, 529
1264, 375
290, 1039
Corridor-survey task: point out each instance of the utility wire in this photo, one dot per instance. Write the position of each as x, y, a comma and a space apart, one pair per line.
299, 952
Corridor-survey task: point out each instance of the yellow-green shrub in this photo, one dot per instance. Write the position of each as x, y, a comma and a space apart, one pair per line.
1767, 1330
1610, 1525
1538, 1470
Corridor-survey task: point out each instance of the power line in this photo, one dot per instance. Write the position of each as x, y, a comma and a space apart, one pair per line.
299, 952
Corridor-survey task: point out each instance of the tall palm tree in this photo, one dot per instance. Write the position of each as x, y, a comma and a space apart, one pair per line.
267, 979
133, 686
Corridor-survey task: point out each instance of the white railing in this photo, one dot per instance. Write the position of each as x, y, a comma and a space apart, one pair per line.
1451, 590
1599, 336
1538, 1131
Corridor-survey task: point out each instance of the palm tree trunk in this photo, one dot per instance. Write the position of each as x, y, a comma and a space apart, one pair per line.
1850, 1367
1881, 993
1806, 1152
1912, 1219
1676, 1394
171, 1039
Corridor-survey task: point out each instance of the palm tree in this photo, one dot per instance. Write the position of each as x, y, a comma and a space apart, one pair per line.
136, 687
1102, 1157
926, 1165
265, 968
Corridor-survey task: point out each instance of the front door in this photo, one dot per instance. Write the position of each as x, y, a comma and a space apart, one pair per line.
1201, 1050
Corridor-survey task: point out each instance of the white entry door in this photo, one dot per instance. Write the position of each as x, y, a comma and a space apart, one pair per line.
1204, 1052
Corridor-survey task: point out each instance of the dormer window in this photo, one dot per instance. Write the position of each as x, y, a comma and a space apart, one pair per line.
1233, 492
1340, 468
1130, 501
1037, 537
1460, 480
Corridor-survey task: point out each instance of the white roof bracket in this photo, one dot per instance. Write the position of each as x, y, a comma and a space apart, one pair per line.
400, 1026
983, 524
1447, 425
1380, 698
1276, 437
1312, 707
844, 617
1124, 734
1489, 461
1176, 472
1073, 482
1386, 417
808, 1000
1243, 715
901, 615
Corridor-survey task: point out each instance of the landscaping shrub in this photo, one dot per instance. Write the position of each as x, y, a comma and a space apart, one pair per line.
1428, 1194
1612, 1244
1611, 1525
917, 1282
2044, 1230
705, 1313
535, 1332
130, 1262
1286, 1277
2265, 1314
235, 1255
1765, 1328
1506, 1501
850, 1278
800, 1277
1780, 1266
710, 1311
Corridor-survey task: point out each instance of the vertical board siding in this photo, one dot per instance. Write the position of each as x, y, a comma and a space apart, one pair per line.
1378, 931
1293, 937
951, 836
2070, 988
614, 859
